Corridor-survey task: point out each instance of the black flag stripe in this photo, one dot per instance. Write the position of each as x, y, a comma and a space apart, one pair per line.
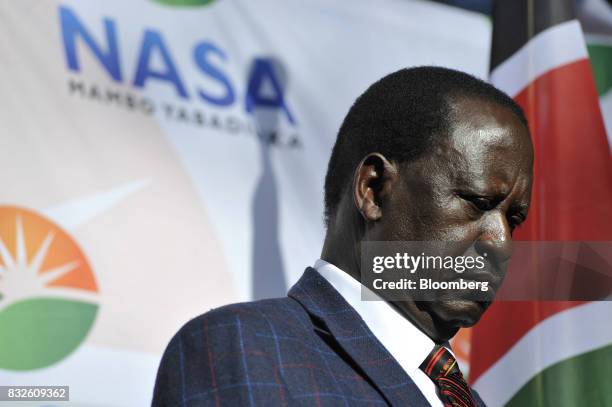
517, 21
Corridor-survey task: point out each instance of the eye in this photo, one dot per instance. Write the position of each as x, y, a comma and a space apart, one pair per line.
481, 203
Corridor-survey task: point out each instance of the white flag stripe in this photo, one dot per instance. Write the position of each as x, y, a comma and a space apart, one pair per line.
550, 49
553, 340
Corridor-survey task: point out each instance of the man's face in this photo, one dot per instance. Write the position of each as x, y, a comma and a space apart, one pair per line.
474, 189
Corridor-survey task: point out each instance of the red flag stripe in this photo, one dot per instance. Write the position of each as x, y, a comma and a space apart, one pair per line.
572, 163
541, 54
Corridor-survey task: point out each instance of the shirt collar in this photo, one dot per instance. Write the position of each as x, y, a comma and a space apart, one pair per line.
406, 343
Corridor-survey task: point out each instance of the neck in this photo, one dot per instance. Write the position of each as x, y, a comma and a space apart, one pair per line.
421, 317
342, 248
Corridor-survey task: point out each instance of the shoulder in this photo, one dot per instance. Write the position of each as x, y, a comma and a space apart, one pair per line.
240, 318
236, 327
215, 351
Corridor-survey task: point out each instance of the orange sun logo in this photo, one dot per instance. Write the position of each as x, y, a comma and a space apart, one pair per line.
48, 293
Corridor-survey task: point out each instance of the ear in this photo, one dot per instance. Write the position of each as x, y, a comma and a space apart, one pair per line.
373, 180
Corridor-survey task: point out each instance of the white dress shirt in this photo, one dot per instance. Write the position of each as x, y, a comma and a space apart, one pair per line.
404, 341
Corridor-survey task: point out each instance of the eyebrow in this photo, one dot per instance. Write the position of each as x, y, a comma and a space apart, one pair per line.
497, 196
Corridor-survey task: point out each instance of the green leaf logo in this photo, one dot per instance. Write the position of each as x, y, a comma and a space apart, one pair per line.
48, 293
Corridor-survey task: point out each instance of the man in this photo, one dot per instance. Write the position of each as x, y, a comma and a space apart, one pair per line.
425, 154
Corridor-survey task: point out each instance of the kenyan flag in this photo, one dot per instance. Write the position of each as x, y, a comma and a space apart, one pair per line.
551, 353
596, 19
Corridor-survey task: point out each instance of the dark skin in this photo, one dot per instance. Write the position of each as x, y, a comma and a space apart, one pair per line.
473, 188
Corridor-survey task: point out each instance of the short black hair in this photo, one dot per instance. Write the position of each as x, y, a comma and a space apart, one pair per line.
399, 116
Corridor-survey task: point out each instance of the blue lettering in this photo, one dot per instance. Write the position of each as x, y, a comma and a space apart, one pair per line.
153, 41
199, 55
72, 27
263, 70
265, 84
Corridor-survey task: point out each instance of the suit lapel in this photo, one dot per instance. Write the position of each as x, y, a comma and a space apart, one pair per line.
350, 332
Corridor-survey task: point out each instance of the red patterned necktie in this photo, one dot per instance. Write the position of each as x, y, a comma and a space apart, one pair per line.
442, 368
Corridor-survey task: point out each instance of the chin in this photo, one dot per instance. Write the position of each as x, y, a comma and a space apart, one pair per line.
458, 312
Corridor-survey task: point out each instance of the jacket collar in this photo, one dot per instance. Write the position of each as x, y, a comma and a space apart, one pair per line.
327, 307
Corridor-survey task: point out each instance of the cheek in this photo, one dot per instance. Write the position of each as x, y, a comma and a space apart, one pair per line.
424, 212
448, 219
415, 224
401, 226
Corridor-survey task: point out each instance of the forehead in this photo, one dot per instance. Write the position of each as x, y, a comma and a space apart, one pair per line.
486, 143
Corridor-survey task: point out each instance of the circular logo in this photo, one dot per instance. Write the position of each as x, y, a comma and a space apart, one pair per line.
48, 293
185, 3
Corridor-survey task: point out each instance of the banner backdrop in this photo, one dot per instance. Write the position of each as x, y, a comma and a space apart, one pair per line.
159, 160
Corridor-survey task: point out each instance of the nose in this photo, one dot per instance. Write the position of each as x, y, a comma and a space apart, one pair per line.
495, 240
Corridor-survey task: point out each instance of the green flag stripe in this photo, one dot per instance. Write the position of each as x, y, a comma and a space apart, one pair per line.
583, 380
601, 60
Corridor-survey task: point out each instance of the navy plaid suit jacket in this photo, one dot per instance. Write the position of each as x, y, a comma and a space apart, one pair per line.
310, 348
